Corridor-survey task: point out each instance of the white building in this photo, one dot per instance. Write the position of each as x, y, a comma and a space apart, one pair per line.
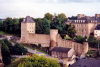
96, 33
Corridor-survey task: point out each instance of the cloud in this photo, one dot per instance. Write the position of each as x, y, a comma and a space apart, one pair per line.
66, 1
50, 1
37, 8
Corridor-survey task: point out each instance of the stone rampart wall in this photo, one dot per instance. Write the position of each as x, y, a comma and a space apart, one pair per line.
42, 39
79, 48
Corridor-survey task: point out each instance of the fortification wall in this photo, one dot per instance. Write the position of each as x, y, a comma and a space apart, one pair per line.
79, 48
42, 39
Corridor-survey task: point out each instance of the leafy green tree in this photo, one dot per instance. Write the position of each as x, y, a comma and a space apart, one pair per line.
93, 42
42, 26
59, 22
69, 30
39, 61
7, 25
48, 16
45, 26
16, 49
19, 49
17, 26
62, 16
80, 39
38, 28
11, 26
1, 24
5, 54
9, 45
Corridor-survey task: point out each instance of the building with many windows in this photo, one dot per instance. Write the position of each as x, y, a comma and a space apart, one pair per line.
84, 25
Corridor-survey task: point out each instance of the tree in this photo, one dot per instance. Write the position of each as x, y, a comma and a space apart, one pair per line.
12, 26
45, 26
38, 28
1, 24
39, 61
69, 30
16, 49
42, 26
80, 39
19, 49
59, 22
9, 45
63, 17
5, 54
48, 16
93, 42
7, 25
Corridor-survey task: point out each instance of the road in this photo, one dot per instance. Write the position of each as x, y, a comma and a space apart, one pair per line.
29, 50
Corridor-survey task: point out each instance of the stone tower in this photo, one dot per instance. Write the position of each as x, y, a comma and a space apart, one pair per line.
53, 38
27, 26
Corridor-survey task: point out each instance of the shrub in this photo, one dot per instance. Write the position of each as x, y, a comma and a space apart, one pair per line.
39, 61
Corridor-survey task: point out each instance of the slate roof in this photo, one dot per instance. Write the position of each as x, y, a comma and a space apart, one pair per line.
61, 49
98, 19
28, 19
87, 18
97, 27
90, 18
87, 63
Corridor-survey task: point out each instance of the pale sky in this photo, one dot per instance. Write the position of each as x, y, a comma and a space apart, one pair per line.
37, 8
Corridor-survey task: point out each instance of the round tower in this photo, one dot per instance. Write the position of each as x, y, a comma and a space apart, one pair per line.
53, 37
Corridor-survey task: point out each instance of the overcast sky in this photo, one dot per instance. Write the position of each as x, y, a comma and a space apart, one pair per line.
37, 8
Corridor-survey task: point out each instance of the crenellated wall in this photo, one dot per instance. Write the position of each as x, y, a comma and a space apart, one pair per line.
79, 48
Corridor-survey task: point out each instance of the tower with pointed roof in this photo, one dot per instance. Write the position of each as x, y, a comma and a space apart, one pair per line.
27, 26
